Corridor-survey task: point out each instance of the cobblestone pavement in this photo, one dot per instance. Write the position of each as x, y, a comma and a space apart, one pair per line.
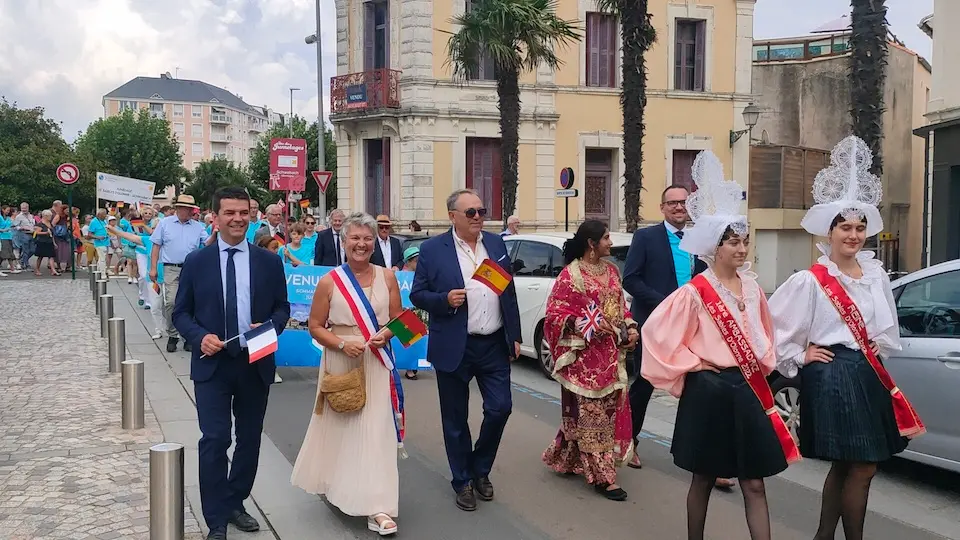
67, 469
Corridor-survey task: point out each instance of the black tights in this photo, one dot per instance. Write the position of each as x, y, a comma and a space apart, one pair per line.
845, 493
754, 502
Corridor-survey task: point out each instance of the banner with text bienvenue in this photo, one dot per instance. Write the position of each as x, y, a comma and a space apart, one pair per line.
122, 189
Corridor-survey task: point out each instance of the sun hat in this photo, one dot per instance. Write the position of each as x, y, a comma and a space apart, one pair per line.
186, 201
411, 252
384, 219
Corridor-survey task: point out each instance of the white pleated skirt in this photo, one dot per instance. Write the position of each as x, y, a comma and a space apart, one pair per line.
351, 458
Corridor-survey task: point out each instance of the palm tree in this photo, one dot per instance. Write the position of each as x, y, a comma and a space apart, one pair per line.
868, 64
517, 36
638, 34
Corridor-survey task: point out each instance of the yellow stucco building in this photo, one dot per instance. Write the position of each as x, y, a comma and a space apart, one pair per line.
407, 134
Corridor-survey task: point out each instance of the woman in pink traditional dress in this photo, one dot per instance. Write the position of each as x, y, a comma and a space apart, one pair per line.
595, 435
710, 343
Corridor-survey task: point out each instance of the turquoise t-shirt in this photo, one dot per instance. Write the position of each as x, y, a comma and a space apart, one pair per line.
6, 223
312, 242
97, 228
147, 247
252, 230
140, 248
126, 226
682, 261
304, 253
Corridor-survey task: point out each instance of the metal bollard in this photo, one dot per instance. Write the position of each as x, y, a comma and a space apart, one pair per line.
117, 335
106, 312
166, 491
93, 280
100, 291
131, 394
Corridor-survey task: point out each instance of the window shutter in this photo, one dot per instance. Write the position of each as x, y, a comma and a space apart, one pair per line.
369, 36
386, 35
496, 181
593, 50
700, 65
385, 189
471, 165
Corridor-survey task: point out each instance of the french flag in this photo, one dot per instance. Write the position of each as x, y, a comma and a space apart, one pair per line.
261, 341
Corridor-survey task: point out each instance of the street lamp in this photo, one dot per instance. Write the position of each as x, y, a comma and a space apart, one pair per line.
292, 90
751, 113
321, 128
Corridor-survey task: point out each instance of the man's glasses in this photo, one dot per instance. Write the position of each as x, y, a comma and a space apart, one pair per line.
474, 212
384, 227
674, 204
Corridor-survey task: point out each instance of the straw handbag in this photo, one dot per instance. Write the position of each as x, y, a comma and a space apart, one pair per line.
344, 393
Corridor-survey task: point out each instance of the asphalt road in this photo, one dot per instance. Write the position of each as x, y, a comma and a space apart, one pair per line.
534, 503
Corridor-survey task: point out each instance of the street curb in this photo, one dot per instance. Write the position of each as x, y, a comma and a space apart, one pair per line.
283, 510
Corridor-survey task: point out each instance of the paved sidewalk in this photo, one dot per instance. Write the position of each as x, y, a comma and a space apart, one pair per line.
67, 469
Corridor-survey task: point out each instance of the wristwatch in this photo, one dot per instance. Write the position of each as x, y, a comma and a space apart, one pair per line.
341, 344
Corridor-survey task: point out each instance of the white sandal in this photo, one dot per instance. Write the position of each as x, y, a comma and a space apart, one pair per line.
385, 527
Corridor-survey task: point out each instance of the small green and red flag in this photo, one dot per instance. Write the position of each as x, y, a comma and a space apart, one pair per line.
407, 327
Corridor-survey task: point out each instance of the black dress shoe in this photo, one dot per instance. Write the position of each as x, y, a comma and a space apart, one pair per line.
244, 521
172, 344
484, 488
217, 533
466, 500
186, 346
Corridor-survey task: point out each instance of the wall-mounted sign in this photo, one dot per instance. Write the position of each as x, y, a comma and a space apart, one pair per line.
357, 96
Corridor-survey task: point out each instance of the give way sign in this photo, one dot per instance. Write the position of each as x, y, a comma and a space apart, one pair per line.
323, 179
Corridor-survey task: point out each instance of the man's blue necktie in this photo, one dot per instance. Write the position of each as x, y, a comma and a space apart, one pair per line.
233, 326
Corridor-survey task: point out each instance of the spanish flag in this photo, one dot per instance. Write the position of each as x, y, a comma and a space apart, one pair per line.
305, 203
492, 275
407, 327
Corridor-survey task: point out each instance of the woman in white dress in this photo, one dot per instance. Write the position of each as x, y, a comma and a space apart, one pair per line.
351, 457
852, 413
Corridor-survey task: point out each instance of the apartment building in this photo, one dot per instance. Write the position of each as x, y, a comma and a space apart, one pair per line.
941, 138
802, 88
408, 134
207, 121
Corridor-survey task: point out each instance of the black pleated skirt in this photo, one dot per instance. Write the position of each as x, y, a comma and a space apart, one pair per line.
721, 429
845, 412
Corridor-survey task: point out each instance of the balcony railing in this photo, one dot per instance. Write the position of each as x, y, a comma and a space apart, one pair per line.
794, 50
365, 91
218, 118
221, 137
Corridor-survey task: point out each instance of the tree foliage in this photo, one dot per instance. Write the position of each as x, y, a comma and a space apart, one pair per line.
639, 35
31, 148
214, 174
133, 144
518, 36
868, 66
260, 160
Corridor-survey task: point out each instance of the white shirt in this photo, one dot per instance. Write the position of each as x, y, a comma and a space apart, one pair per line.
241, 264
337, 248
802, 314
483, 305
386, 250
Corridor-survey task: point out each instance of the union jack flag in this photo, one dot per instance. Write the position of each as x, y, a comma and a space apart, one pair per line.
590, 323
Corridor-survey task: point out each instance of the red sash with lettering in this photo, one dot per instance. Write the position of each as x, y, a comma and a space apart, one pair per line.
908, 422
747, 360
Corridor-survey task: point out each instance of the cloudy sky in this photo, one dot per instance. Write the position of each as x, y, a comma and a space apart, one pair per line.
65, 54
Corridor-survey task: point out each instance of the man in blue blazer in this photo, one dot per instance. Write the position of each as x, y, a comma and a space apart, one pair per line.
473, 334
655, 267
226, 289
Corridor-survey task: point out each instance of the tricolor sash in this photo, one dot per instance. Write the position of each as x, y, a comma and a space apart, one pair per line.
908, 422
346, 282
747, 360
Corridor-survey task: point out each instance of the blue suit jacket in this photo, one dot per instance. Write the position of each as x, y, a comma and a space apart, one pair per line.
199, 308
649, 275
437, 274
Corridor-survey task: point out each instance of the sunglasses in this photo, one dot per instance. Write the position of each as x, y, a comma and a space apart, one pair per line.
474, 212
310, 222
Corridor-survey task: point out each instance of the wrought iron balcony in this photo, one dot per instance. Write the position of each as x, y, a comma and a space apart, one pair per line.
366, 91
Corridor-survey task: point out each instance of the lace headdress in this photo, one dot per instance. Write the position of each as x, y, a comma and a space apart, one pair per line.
847, 188
713, 207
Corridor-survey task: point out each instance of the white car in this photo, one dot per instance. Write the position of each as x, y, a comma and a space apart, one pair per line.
537, 260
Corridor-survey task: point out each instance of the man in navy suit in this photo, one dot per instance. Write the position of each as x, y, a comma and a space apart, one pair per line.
226, 289
473, 334
387, 251
329, 249
655, 267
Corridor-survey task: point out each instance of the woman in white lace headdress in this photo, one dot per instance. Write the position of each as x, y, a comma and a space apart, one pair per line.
832, 322
710, 344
